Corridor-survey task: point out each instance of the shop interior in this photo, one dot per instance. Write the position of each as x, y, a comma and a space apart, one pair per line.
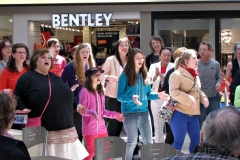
71, 36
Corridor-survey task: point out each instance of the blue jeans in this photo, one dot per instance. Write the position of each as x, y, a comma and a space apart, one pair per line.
133, 122
213, 105
181, 124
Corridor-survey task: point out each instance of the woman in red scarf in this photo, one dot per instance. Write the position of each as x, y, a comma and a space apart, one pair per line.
185, 88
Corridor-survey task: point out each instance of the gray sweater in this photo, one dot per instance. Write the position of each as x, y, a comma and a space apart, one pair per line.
209, 74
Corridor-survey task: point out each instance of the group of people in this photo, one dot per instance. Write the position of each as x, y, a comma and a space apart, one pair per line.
127, 90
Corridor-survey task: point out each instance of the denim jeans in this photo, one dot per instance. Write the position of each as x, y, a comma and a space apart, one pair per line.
114, 127
133, 122
181, 124
213, 105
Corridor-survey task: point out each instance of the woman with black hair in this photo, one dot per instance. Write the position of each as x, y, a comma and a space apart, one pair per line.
5, 52
113, 68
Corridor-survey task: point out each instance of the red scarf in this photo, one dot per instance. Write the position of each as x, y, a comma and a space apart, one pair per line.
193, 72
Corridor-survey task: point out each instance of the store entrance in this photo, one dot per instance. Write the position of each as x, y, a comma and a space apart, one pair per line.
102, 39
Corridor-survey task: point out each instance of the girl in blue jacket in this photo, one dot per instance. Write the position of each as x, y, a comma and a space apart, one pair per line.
134, 92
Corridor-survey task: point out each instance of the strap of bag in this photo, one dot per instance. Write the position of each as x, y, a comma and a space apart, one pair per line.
115, 66
50, 93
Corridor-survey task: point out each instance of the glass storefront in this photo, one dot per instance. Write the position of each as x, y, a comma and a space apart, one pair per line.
185, 32
230, 28
188, 29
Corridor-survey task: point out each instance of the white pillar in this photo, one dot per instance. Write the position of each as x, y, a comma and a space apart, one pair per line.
20, 28
212, 35
145, 32
86, 34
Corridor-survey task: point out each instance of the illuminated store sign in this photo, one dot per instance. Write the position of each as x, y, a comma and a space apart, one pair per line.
64, 20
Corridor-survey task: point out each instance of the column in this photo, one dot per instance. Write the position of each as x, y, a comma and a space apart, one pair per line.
145, 32
86, 34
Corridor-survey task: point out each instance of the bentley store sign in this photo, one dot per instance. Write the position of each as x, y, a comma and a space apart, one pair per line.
64, 20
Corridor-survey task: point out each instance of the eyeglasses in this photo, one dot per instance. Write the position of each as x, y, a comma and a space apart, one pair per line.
204, 50
21, 52
124, 45
7, 47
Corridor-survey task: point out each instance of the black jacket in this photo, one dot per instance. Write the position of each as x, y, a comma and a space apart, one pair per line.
233, 86
12, 149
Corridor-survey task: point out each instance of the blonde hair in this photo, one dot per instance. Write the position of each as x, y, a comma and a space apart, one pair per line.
179, 52
185, 56
77, 62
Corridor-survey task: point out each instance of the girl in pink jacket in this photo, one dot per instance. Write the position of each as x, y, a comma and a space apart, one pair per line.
93, 99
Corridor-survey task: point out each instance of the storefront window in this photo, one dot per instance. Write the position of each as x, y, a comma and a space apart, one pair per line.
229, 37
6, 27
185, 32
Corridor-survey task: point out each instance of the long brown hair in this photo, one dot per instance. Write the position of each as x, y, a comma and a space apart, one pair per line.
89, 86
2, 45
130, 69
77, 63
117, 54
7, 108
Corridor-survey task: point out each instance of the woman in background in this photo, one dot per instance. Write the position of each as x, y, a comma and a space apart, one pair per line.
59, 62
232, 67
157, 74
5, 53
113, 68
16, 66
156, 44
73, 75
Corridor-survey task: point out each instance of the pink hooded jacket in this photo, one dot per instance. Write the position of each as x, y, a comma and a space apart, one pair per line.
94, 105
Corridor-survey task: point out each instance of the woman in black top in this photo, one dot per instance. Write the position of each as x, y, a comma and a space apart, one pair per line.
232, 67
33, 90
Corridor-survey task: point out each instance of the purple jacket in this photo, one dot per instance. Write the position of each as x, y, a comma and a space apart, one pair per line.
94, 105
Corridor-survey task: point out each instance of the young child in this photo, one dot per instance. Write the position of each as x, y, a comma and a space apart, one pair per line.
93, 99
134, 92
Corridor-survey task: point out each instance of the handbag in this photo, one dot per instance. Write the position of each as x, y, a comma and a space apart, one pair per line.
168, 107
37, 120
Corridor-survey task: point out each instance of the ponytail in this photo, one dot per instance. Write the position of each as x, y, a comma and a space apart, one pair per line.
177, 63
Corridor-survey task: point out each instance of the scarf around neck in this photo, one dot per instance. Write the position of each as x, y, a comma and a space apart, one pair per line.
193, 72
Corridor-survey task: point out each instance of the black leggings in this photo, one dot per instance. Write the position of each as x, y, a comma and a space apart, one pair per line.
114, 126
77, 122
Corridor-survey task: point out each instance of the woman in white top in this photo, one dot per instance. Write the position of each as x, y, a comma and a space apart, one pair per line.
113, 68
156, 74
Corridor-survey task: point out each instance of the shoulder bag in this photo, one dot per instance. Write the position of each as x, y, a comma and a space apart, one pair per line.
168, 107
